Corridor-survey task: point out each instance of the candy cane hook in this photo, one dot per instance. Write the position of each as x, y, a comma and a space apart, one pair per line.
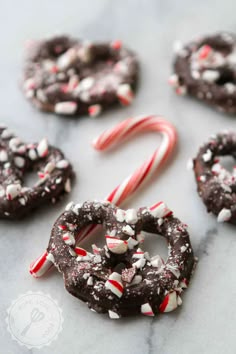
130, 185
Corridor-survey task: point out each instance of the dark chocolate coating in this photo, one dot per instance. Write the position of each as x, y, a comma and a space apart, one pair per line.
18, 158
56, 70
156, 282
194, 70
216, 186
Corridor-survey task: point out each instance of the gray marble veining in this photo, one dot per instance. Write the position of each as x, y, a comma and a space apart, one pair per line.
206, 321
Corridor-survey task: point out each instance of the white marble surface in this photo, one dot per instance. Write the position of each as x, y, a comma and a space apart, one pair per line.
206, 322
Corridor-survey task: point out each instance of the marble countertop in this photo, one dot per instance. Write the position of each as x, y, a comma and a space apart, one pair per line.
205, 323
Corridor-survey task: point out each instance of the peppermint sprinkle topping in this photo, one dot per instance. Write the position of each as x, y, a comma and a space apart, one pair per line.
224, 215
207, 156
66, 108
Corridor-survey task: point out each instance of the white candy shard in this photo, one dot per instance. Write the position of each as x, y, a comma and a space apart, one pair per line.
157, 261
6, 134
132, 243
207, 156
125, 94
90, 281
147, 310
128, 230
120, 215
210, 75
131, 216
113, 315
49, 167
230, 88
86, 84
66, 59
42, 148
12, 191
3, 156
19, 161
69, 206
116, 245
224, 215
62, 164
67, 107
140, 263
32, 154
50, 257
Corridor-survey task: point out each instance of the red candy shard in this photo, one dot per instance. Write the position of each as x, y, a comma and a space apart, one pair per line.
205, 51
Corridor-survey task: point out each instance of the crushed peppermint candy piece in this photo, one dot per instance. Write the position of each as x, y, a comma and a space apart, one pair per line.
114, 284
125, 94
139, 264
113, 315
131, 216
224, 215
96, 249
12, 191
67, 107
160, 210
80, 251
3, 156
19, 161
42, 148
207, 156
66, 59
157, 261
138, 254
116, 44
116, 245
94, 110
90, 281
68, 238
128, 230
169, 303
32, 154
132, 243
210, 75
120, 215
147, 310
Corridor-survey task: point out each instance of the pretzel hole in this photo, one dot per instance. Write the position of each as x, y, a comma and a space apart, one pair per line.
155, 244
30, 178
227, 162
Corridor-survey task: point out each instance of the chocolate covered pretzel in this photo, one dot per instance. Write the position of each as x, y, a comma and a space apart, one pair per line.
74, 77
121, 279
16, 159
217, 186
206, 68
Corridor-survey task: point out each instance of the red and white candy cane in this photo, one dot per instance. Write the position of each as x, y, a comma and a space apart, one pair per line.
130, 185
